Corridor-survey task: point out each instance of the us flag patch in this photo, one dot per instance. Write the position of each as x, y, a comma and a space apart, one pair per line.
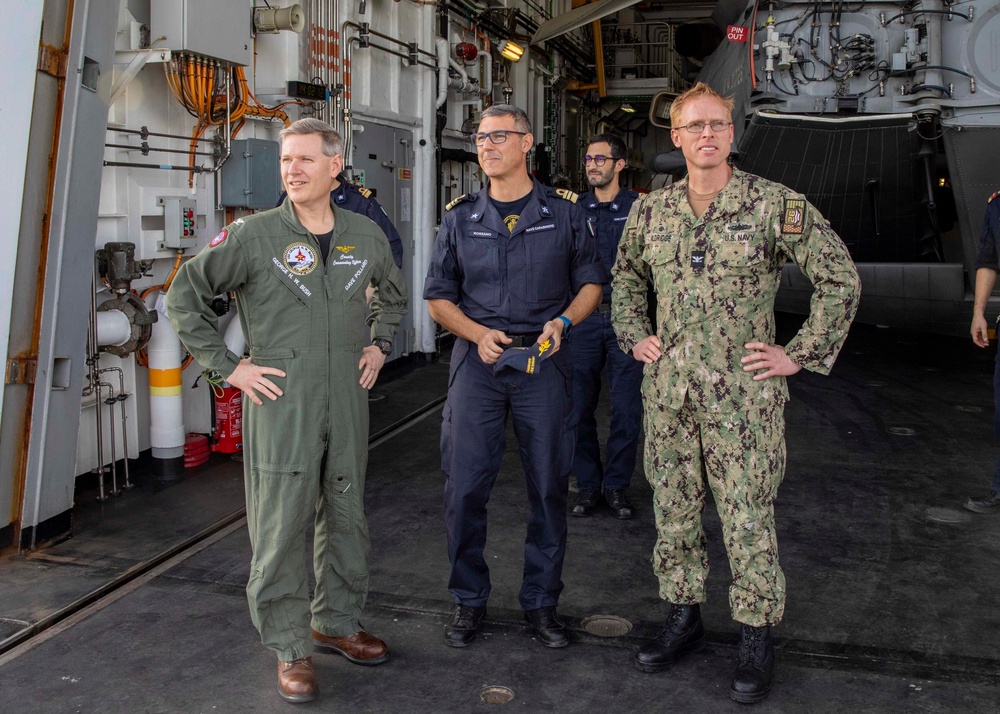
794, 216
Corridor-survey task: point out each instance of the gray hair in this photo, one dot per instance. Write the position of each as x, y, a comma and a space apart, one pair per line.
521, 121
333, 145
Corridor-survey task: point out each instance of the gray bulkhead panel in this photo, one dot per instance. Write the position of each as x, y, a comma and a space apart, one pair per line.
69, 263
383, 156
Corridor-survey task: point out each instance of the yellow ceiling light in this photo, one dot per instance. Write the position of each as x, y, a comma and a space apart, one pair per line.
511, 50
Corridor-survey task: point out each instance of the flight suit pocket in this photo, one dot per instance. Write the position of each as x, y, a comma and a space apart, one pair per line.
293, 291
343, 503
280, 495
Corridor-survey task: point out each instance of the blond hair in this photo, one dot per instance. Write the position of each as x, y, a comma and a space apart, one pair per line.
698, 91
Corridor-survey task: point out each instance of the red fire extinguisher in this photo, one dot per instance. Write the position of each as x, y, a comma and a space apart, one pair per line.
228, 419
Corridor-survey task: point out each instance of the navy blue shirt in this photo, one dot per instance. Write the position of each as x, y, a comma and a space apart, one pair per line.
519, 282
608, 220
359, 200
987, 255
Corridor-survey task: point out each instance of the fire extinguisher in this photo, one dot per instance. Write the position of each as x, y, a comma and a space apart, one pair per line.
228, 437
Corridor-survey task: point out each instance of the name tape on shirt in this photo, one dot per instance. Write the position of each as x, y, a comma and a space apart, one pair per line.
543, 227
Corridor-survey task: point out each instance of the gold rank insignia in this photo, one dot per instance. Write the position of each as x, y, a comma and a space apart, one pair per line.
544, 347
794, 218
455, 202
566, 194
366, 192
990, 200
345, 249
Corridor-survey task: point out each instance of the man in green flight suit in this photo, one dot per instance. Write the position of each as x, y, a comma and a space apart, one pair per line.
299, 272
714, 388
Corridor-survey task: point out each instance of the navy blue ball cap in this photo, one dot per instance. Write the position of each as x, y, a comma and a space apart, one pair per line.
523, 359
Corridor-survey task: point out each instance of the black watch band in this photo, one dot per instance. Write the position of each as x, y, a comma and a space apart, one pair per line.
383, 344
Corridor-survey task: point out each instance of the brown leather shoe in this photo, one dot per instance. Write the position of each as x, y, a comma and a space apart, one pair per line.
297, 681
360, 648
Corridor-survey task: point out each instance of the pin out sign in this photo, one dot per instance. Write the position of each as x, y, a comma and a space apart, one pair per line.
735, 33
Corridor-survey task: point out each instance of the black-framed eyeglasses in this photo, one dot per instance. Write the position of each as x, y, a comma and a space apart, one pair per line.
696, 127
598, 160
497, 137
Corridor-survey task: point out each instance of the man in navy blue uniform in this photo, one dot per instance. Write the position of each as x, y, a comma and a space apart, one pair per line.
987, 265
506, 266
358, 199
595, 348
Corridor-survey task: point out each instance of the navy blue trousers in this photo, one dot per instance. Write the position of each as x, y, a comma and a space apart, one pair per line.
596, 350
472, 447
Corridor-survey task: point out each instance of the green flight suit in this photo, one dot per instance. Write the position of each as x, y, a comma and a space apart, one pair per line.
306, 452
707, 421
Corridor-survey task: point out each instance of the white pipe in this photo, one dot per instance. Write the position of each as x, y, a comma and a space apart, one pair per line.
442, 59
166, 412
113, 328
462, 83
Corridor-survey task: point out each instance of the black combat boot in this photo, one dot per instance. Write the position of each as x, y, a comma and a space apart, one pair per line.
682, 634
755, 667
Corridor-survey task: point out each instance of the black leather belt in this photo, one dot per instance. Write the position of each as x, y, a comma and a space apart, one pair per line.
525, 340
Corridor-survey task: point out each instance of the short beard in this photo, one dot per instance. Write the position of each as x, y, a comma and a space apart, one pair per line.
604, 181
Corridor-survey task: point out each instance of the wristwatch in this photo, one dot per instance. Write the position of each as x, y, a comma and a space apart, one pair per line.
383, 344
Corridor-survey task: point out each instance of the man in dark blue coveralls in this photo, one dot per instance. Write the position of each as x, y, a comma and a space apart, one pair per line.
595, 348
506, 266
987, 265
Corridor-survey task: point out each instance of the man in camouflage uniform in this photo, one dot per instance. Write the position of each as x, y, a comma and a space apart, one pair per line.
714, 387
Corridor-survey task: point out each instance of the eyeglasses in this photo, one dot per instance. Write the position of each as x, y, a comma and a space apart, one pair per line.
497, 137
598, 160
699, 126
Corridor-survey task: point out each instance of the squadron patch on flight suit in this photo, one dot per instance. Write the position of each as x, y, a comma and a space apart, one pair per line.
300, 258
219, 238
794, 216
566, 194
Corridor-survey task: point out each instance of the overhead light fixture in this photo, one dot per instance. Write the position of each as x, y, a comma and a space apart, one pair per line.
511, 50
628, 108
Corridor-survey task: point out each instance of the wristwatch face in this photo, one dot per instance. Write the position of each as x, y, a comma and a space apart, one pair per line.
383, 344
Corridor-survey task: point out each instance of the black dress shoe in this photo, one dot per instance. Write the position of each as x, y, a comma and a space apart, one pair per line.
682, 634
755, 667
549, 629
586, 502
617, 498
461, 630
986, 504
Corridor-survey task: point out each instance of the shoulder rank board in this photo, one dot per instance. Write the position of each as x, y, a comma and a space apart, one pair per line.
366, 192
455, 202
566, 194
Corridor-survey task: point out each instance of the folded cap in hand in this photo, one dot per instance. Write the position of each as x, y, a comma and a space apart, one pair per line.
523, 359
